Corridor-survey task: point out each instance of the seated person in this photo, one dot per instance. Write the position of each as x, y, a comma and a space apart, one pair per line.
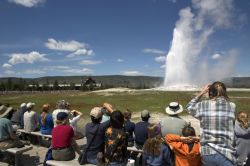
76, 116
141, 129
30, 118
155, 150
46, 120
95, 134
173, 124
116, 141
185, 147
8, 139
107, 109
129, 127
17, 118
63, 142
61, 107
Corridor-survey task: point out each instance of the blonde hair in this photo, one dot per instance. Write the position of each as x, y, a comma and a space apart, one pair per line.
242, 118
152, 145
44, 113
127, 114
218, 89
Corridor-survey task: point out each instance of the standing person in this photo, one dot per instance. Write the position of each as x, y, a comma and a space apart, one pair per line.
63, 142
30, 118
186, 147
129, 127
155, 151
217, 117
141, 129
95, 134
173, 124
242, 133
46, 120
116, 141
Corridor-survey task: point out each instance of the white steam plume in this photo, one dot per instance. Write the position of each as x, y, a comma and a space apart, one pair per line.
190, 36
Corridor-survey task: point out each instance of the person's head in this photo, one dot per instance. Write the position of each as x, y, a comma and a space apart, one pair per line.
61, 104
173, 109
145, 115
6, 112
62, 118
242, 118
188, 130
127, 114
152, 145
23, 105
217, 89
46, 108
96, 114
67, 106
116, 119
30, 106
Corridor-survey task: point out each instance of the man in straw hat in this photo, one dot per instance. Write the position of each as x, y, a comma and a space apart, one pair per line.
172, 124
8, 139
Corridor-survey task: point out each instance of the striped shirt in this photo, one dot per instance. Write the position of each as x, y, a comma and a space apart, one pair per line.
217, 125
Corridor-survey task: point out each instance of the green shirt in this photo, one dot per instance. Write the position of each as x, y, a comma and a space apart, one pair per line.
5, 129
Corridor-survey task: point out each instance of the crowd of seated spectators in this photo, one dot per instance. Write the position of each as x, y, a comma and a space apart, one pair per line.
224, 137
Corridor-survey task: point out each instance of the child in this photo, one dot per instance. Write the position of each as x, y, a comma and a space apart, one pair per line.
129, 127
155, 151
186, 147
242, 133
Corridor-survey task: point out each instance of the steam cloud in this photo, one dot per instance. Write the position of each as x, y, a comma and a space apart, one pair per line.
190, 36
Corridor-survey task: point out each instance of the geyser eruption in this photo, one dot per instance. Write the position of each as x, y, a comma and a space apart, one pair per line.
190, 36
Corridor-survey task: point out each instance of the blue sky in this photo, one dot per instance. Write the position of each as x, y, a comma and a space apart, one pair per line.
111, 37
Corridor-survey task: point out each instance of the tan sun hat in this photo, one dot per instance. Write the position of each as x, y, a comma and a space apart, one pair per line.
174, 108
96, 112
4, 111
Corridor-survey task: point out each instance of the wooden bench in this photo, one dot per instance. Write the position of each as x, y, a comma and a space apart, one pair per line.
18, 152
38, 134
65, 163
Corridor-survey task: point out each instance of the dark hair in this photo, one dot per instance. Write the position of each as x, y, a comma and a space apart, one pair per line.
145, 119
127, 114
218, 89
117, 119
94, 120
188, 130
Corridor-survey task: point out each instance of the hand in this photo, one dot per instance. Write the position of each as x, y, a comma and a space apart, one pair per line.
108, 106
204, 90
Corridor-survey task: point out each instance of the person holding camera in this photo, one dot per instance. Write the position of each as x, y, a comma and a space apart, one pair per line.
217, 117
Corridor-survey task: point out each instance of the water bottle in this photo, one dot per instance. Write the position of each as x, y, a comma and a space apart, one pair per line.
37, 159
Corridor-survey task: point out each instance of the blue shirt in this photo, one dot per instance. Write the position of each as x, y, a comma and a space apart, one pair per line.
141, 132
129, 128
48, 126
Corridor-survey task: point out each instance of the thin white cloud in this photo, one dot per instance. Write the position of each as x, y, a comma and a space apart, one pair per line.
80, 52
28, 3
79, 71
9, 72
132, 73
31, 57
7, 66
120, 60
34, 71
64, 46
216, 56
163, 66
90, 62
160, 59
154, 51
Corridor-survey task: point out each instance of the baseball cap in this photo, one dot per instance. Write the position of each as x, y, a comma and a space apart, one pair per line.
96, 112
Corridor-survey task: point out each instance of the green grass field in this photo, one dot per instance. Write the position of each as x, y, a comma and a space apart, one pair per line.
155, 101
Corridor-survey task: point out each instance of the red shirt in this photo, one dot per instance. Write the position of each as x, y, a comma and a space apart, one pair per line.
62, 136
